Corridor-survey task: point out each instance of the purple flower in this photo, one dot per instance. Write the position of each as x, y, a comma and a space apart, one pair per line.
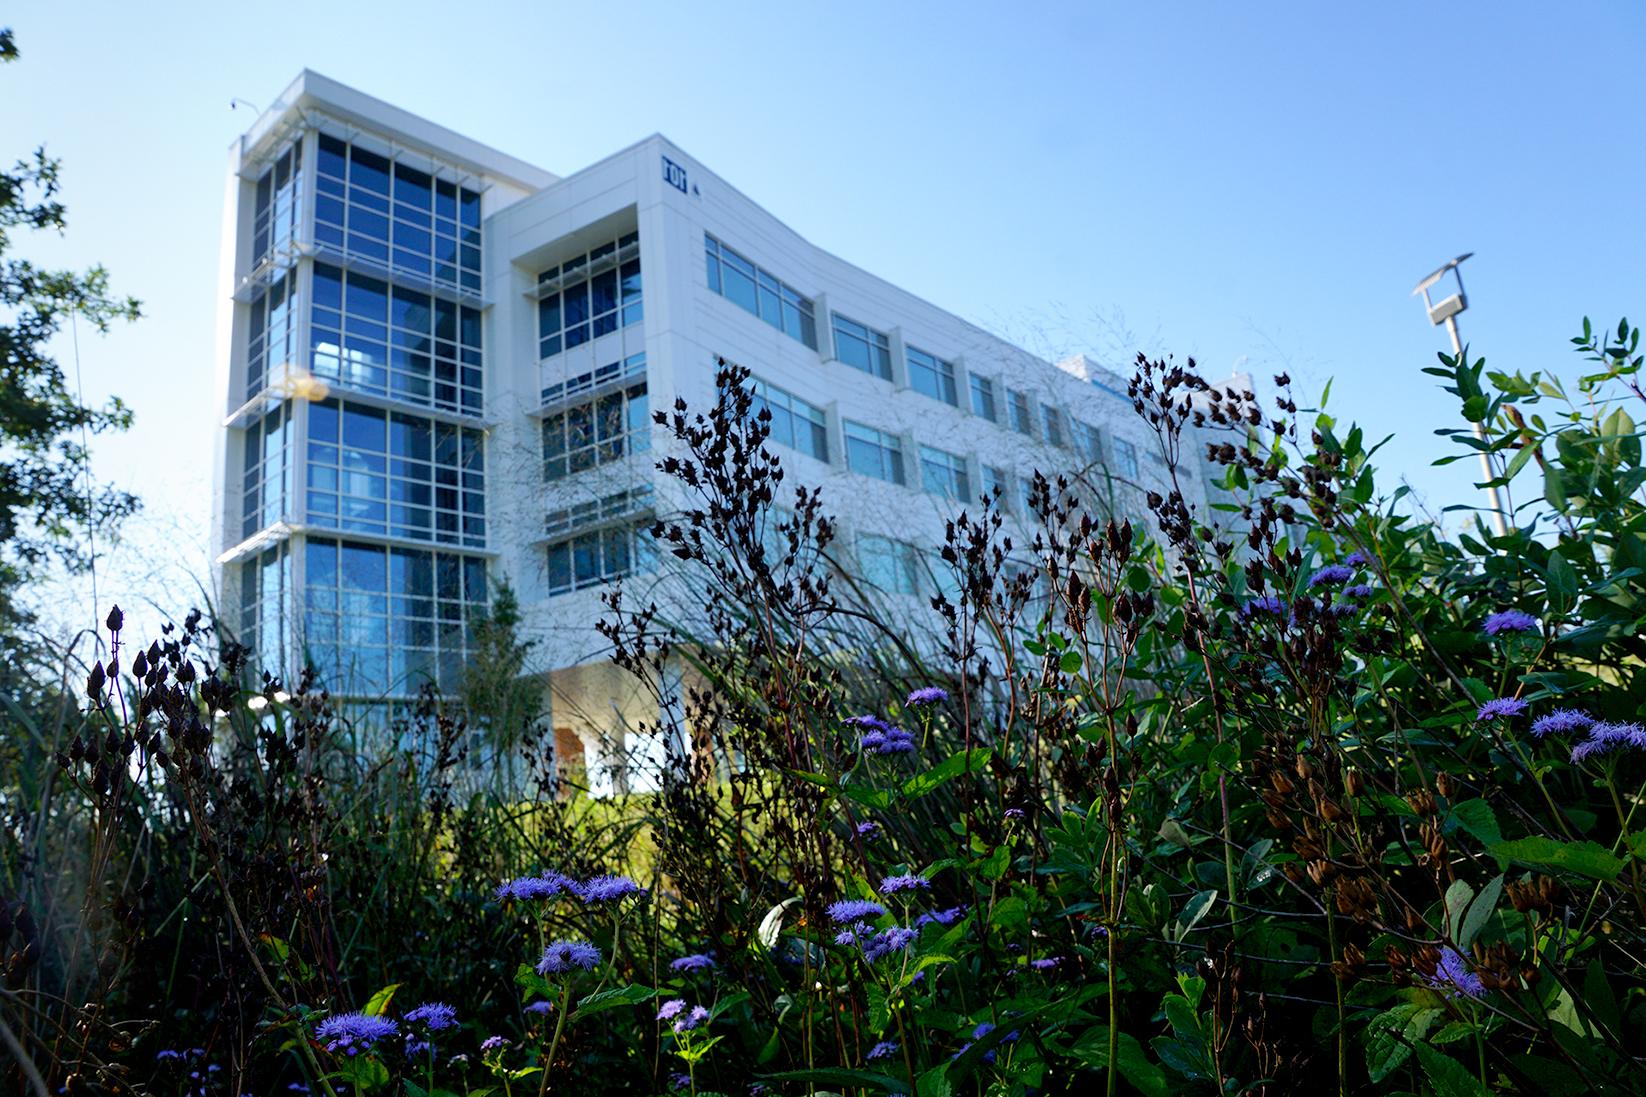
1049, 963
888, 941
436, 1015
1359, 590
544, 886
891, 740
414, 1046
680, 1080
854, 910
1331, 575
883, 1049
1509, 620
695, 1018
491, 1044
941, 917
1355, 559
929, 695
1561, 721
1269, 604
671, 1009
891, 885
982, 1030
1604, 738
541, 1006
1014, 814
607, 889
1501, 706
872, 723
353, 1032
1452, 975
562, 956
697, 961
869, 830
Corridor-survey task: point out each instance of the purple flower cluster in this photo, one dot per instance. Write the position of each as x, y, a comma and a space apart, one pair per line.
1562, 721
685, 1018
982, 1030
868, 831
1268, 603
1604, 738
1355, 559
891, 885
697, 961
941, 917
491, 1044
883, 1049
562, 956
887, 739
1453, 976
542, 886
854, 910
1509, 620
607, 889
1500, 706
877, 944
541, 1006
929, 695
1331, 575
436, 1016
1048, 963
352, 1033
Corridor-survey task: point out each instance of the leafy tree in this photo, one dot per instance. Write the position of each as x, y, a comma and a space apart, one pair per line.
496, 694
47, 503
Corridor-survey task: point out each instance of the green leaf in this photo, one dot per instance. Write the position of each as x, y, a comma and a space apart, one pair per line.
1193, 911
965, 761
877, 799
1562, 583
836, 1076
380, 1001
630, 995
1479, 911
1390, 1036
1580, 858
1478, 818
1133, 1063
1449, 1077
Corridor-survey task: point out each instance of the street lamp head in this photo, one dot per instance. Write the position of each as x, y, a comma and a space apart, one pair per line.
1449, 306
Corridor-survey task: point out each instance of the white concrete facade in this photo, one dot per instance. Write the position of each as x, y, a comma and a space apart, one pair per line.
531, 222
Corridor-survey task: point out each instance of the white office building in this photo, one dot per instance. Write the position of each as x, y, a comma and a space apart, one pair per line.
437, 368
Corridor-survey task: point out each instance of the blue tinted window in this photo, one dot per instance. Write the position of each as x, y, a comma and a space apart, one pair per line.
759, 291
596, 295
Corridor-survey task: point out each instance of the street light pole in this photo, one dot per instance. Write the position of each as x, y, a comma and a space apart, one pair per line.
1445, 312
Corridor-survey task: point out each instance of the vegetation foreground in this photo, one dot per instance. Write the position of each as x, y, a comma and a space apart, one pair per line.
1303, 797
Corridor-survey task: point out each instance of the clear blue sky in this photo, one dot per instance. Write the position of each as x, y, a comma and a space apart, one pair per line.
1255, 185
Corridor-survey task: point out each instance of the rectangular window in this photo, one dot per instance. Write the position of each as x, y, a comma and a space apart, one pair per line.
266, 606
383, 621
945, 474
397, 217
1088, 441
983, 405
595, 558
267, 472
757, 290
272, 342
1022, 417
1125, 459
1052, 420
597, 432
391, 474
278, 216
395, 342
589, 295
997, 485
795, 423
932, 376
862, 347
889, 565
870, 452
